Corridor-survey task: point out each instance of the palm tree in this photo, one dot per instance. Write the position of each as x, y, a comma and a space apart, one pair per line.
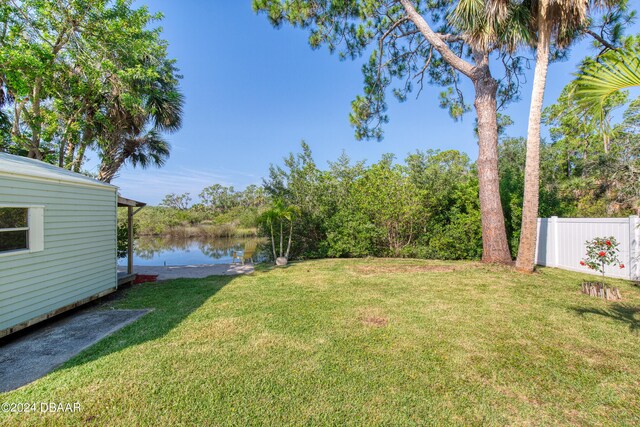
134, 134
552, 19
616, 70
142, 149
276, 217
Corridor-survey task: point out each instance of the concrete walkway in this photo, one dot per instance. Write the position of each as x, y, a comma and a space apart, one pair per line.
192, 271
35, 354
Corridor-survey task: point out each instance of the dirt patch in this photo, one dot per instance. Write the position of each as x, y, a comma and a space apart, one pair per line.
390, 269
375, 321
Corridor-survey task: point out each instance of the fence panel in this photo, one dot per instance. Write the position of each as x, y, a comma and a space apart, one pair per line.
561, 243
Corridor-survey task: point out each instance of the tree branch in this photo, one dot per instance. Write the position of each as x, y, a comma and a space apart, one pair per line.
600, 39
450, 38
439, 44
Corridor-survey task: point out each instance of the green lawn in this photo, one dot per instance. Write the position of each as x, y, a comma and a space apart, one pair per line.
359, 342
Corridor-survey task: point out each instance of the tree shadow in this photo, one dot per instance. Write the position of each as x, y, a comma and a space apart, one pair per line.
624, 313
171, 302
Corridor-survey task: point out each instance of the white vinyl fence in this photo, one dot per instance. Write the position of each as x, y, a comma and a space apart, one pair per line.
561, 243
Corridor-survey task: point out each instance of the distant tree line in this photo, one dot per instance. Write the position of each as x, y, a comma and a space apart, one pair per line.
218, 198
220, 211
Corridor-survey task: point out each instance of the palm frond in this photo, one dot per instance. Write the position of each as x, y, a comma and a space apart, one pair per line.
488, 24
597, 81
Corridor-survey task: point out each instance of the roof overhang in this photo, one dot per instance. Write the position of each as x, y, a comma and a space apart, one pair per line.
24, 168
124, 202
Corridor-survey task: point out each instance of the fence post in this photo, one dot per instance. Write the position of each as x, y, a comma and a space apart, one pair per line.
634, 248
556, 241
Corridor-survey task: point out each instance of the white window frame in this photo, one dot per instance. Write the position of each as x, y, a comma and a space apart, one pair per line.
34, 228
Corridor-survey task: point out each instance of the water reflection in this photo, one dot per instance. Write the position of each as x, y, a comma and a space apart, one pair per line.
172, 250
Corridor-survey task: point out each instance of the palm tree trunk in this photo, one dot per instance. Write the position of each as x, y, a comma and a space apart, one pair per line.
290, 235
112, 161
87, 137
108, 170
281, 236
70, 152
495, 248
529, 230
79, 159
36, 121
61, 151
273, 241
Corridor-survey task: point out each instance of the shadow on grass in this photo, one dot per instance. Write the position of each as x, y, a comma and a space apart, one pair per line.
171, 302
625, 313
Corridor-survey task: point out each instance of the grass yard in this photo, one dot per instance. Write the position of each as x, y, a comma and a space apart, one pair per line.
359, 342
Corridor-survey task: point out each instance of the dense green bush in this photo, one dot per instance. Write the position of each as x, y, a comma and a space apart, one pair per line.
351, 234
426, 207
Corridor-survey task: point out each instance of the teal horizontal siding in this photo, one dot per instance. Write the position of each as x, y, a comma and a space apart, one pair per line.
50, 271
59, 300
79, 256
47, 288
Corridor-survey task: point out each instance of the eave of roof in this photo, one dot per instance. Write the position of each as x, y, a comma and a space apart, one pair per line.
26, 168
124, 202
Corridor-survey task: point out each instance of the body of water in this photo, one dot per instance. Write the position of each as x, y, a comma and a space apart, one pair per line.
167, 250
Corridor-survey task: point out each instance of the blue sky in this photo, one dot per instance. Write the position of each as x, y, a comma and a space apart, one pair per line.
254, 92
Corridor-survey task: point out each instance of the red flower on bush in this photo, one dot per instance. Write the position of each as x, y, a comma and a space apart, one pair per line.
601, 252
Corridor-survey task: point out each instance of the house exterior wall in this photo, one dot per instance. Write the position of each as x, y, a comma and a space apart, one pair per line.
78, 256
561, 243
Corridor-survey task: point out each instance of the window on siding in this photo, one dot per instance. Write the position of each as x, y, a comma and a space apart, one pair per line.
14, 229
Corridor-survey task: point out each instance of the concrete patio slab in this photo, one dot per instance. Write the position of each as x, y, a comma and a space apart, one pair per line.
40, 351
195, 271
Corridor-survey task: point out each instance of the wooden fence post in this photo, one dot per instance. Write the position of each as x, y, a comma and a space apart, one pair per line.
130, 240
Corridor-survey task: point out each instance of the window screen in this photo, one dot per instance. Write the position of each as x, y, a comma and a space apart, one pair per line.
14, 229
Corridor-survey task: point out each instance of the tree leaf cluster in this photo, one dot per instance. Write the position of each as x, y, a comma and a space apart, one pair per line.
83, 76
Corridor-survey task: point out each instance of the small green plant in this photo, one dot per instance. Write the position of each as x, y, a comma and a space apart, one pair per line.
602, 252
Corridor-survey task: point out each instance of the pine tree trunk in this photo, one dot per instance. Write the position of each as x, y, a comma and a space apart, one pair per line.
495, 248
529, 230
494, 235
